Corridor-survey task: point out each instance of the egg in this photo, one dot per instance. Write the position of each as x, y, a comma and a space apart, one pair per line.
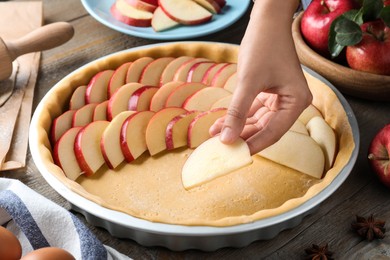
10, 248
48, 253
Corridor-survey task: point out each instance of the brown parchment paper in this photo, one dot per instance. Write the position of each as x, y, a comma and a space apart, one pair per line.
16, 20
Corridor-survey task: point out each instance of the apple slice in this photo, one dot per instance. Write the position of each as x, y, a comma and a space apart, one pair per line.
100, 111
223, 75
231, 83
60, 125
119, 102
64, 156
84, 115
170, 70
221, 3
299, 127
222, 103
297, 151
135, 70
185, 11
110, 142
310, 112
77, 99
213, 159
155, 131
198, 70
198, 130
181, 93
210, 73
151, 74
142, 5
87, 147
177, 130
133, 135
182, 72
209, 5
324, 135
159, 99
203, 99
152, 2
140, 99
118, 78
130, 15
161, 21
96, 91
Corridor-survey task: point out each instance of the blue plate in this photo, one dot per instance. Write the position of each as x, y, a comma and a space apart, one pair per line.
233, 11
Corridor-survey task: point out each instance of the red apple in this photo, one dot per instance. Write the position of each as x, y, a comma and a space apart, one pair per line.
316, 21
378, 154
371, 54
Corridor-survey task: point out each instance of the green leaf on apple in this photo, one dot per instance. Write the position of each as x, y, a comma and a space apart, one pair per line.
385, 15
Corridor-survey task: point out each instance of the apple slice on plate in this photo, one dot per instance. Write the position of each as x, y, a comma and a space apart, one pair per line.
110, 142
210, 73
185, 11
77, 99
64, 156
84, 115
222, 103
223, 75
221, 3
161, 21
130, 15
210, 5
159, 99
142, 5
135, 69
324, 135
118, 78
203, 99
309, 112
198, 130
177, 130
133, 135
119, 102
231, 82
87, 147
100, 112
140, 99
151, 74
297, 151
197, 71
96, 91
181, 93
213, 159
170, 70
61, 124
182, 72
155, 131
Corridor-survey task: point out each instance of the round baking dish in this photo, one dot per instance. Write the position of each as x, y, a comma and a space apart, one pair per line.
177, 237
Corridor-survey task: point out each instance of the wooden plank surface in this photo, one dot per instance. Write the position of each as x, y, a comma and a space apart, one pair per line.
361, 193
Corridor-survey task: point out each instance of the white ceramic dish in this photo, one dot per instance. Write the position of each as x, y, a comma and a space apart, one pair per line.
177, 237
233, 11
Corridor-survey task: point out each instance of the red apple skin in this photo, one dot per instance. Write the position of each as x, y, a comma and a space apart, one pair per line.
372, 53
316, 21
378, 155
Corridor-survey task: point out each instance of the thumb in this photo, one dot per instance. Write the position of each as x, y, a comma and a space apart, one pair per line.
236, 116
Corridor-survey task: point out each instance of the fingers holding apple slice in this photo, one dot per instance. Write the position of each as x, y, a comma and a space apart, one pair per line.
213, 159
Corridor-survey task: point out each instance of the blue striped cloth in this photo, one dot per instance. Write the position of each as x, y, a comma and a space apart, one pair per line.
38, 222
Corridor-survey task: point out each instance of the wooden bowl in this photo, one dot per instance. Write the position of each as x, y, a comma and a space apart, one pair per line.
348, 81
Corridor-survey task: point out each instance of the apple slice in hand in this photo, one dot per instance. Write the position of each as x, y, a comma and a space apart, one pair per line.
324, 135
136, 68
203, 99
110, 141
155, 131
185, 11
161, 21
152, 72
177, 130
160, 97
77, 99
198, 130
96, 91
181, 93
140, 99
213, 159
87, 147
297, 151
118, 78
133, 135
64, 156
130, 15
60, 125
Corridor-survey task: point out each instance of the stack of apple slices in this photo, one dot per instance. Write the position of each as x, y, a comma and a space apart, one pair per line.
165, 14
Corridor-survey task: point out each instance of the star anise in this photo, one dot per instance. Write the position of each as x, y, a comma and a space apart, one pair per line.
316, 252
369, 228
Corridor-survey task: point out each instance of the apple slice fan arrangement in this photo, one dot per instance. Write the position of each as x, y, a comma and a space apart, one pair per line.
165, 14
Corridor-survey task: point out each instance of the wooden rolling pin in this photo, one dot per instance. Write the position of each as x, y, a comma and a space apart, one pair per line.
43, 38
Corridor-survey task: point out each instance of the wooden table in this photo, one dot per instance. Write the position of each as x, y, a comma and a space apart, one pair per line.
361, 193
